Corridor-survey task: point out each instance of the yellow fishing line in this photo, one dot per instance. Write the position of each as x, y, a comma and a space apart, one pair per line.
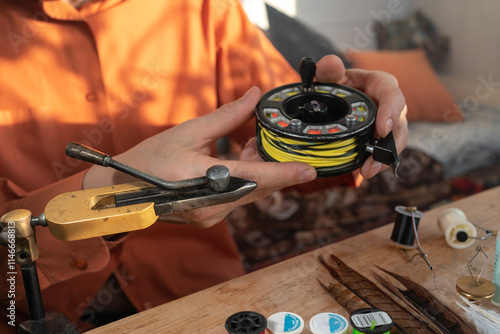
316, 154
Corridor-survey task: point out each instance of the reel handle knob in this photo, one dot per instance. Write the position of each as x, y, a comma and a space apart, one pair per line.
307, 68
87, 154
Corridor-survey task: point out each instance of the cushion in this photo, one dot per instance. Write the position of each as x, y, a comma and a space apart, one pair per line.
426, 97
417, 31
295, 40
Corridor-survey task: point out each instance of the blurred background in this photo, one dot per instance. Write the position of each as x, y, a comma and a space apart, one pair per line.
472, 27
445, 55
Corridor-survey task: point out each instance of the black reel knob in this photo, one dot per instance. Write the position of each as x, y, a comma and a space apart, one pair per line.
307, 69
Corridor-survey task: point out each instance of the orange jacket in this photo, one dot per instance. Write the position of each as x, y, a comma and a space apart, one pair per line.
110, 75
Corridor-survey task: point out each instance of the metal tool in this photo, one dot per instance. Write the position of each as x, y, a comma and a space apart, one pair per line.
103, 211
133, 206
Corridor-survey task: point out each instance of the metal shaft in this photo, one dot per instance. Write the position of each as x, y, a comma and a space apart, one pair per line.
88, 154
32, 289
156, 180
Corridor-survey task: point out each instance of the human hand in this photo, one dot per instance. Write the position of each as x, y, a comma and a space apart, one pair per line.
383, 88
183, 152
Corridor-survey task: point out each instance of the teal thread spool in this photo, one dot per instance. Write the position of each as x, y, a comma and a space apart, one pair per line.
370, 321
328, 323
285, 323
496, 273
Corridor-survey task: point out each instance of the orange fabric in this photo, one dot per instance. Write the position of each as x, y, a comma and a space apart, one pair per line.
110, 75
426, 97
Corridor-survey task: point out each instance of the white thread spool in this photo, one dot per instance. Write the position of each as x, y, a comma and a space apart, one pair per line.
457, 230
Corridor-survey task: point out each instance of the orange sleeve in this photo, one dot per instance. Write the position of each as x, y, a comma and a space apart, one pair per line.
13, 197
245, 58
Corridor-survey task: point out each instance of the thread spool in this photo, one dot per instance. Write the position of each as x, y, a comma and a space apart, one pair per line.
371, 321
285, 323
496, 274
246, 322
456, 229
328, 323
403, 235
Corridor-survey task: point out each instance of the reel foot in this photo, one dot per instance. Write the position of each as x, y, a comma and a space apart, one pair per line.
384, 151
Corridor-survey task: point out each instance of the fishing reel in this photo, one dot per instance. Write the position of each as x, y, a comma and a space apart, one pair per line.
329, 126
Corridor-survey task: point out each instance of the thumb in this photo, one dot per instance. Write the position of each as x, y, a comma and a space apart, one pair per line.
231, 116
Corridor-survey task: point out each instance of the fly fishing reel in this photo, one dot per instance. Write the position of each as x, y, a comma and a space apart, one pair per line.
329, 126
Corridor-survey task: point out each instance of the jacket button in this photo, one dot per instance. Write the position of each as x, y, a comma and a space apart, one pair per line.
91, 97
80, 263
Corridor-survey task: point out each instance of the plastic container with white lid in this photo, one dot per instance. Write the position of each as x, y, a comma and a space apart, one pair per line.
328, 323
285, 323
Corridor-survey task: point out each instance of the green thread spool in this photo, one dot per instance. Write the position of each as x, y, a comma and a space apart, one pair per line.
370, 321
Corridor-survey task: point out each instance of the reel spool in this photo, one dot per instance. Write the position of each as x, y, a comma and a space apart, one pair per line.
329, 126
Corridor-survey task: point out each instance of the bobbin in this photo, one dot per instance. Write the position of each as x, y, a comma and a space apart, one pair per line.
301, 117
404, 233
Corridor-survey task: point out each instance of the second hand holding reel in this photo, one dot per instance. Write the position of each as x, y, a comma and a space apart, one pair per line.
328, 126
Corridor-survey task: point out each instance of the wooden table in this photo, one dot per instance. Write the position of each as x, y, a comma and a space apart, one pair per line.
292, 285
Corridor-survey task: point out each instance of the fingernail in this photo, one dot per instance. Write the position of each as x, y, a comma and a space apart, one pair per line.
388, 126
247, 93
308, 175
376, 167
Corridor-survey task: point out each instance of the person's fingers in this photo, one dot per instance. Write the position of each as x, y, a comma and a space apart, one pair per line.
383, 88
249, 152
391, 106
226, 119
269, 176
330, 69
371, 168
272, 174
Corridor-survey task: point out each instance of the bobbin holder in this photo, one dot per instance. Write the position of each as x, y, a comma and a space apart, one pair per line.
314, 112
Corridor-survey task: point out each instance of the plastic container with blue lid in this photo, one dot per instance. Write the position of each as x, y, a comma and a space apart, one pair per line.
285, 323
328, 323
